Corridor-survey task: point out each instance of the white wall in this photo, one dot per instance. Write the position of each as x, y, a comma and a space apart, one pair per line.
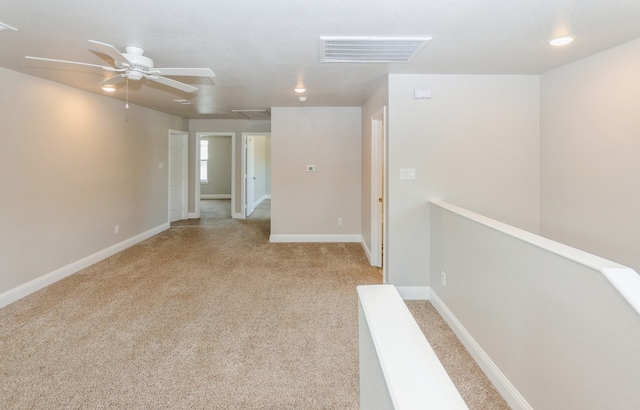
474, 144
231, 126
218, 166
310, 203
590, 140
73, 165
549, 317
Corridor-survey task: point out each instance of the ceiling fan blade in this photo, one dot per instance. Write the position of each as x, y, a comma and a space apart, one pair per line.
108, 68
113, 80
172, 83
111, 51
186, 72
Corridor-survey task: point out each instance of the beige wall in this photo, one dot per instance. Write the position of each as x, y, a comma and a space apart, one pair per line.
310, 203
219, 166
73, 165
474, 144
590, 140
236, 127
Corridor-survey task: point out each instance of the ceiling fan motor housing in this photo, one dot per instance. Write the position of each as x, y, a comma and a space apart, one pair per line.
140, 64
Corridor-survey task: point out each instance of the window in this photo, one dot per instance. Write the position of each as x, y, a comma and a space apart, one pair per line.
204, 158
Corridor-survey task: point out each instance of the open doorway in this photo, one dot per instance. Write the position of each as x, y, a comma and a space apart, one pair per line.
379, 190
178, 175
215, 157
256, 184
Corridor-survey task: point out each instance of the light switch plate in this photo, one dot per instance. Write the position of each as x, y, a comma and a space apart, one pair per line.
407, 173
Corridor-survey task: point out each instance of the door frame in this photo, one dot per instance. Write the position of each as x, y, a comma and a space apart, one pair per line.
184, 142
243, 166
196, 168
379, 189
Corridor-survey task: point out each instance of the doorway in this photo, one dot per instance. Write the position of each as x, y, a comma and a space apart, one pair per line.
378, 190
178, 174
197, 169
256, 161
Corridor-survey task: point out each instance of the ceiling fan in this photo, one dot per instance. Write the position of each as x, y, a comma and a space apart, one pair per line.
133, 65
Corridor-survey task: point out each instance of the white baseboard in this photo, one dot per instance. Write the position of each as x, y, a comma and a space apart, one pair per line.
47, 279
414, 292
504, 386
215, 196
367, 251
237, 215
315, 238
192, 215
259, 201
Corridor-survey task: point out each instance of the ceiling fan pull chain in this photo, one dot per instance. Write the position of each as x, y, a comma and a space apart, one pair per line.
127, 104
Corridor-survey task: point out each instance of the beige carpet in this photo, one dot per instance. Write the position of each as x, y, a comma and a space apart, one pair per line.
206, 315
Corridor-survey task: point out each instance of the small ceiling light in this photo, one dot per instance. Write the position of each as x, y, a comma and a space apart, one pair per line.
561, 41
300, 90
109, 88
302, 99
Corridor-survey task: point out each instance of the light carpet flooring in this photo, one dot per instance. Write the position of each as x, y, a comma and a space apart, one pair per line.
206, 315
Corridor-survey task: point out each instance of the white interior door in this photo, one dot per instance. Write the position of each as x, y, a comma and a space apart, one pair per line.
378, 177
177, 176
250, 176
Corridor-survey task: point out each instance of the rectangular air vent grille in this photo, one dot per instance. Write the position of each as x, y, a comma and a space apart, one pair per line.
254, 114
370, 49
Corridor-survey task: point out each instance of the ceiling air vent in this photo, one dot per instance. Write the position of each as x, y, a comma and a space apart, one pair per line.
370, 49
254, 114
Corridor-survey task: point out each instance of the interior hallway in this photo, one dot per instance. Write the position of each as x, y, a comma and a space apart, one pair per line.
207, 314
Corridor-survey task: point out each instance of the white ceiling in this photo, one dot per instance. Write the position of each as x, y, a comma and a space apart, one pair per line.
261, 49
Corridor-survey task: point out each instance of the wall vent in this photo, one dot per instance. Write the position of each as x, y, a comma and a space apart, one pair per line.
370, 49
254, 114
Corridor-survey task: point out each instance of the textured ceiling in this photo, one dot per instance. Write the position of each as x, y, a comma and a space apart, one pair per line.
260, 50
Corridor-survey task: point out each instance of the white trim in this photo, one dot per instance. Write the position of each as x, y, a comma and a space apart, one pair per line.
366, 250
315, 238
499, 380
192, 215
215, 196
414, 292
261, 200
47, 279
237, 215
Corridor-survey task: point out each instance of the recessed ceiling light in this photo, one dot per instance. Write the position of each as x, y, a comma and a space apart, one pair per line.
300, 90
561, 41
302, 99
109, 88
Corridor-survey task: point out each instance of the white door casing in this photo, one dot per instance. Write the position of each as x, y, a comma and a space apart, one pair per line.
378, 188
250, 175
178, 174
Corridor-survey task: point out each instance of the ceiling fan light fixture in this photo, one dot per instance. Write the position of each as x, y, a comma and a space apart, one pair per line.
561, 41
300, 90
109, 88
